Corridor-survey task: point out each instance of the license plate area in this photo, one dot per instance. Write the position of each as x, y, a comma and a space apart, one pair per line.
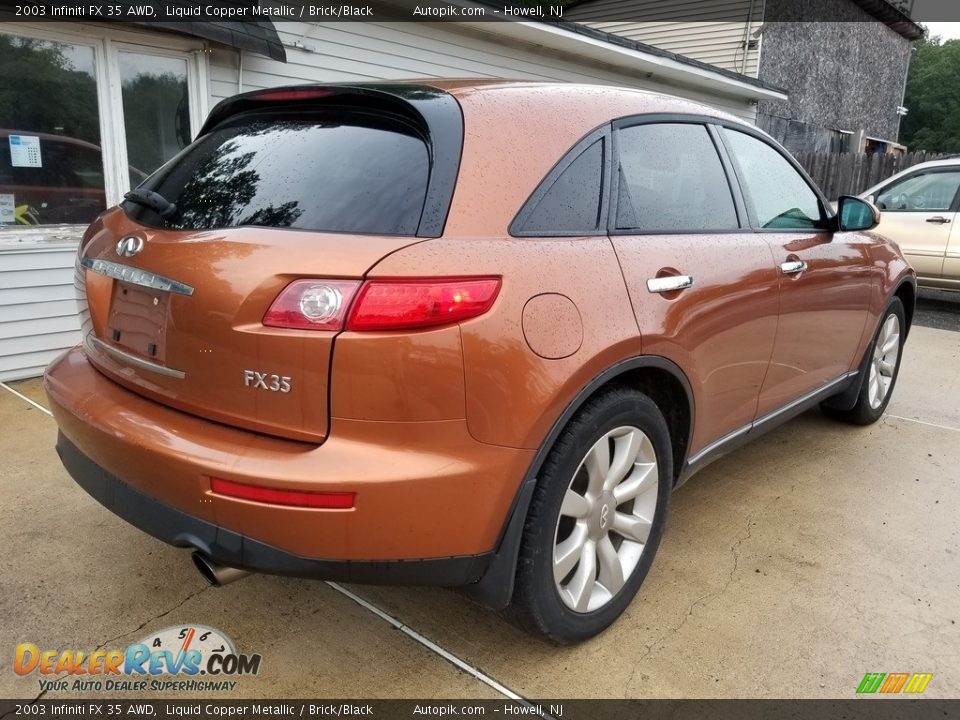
138, 320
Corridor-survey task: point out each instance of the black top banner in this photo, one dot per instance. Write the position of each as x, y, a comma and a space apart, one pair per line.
892, 13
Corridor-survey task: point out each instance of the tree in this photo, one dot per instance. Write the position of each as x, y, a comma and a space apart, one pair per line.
933, 97
42, 91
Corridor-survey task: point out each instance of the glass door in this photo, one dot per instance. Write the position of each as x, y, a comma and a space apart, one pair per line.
156, 109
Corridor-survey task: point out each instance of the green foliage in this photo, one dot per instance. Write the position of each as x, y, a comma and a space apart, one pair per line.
41, 91
933, 98
157, 120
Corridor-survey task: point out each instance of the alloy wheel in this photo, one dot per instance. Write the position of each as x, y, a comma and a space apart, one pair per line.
605, 519
884, 364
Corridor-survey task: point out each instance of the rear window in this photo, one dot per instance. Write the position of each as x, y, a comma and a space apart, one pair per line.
327, 171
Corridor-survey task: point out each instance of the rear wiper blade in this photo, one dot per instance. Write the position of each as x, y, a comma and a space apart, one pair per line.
153, 200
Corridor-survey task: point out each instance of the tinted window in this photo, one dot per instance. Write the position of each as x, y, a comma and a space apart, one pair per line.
572, 204
777, 195
928, 191
670, 179
328, 172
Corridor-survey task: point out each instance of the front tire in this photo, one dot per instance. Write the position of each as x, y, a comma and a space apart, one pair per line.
596, 518
882, 368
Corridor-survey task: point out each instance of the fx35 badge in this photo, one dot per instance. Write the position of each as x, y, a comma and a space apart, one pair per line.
266, 381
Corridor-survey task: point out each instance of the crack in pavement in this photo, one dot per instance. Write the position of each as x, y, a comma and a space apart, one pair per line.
734, 549
129, 632
155, 617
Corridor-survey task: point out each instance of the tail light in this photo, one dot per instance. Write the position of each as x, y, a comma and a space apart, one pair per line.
400, 304
276, 496
312, 305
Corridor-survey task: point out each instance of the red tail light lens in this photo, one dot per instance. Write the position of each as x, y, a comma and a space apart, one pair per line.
312, 305
274, 496
405, 304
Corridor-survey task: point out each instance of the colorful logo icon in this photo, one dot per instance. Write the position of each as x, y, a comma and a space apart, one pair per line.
893, 683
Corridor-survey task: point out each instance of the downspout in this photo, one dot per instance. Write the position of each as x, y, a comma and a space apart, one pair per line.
239, 71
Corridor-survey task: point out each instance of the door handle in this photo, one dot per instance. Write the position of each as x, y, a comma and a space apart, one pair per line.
792, 266
669, 283
939, 219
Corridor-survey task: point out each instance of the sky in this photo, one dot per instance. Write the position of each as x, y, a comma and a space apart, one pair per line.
946, 30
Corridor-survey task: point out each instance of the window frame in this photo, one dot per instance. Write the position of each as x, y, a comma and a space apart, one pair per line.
827, 214
602, 134
954, 204
107, 43
706, 122
609, 131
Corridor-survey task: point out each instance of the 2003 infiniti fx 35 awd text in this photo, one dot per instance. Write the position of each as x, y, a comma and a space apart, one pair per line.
466, 334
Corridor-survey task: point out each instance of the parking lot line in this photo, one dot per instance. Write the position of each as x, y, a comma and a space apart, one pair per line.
427, 643
38, 406
458, 662
923, 422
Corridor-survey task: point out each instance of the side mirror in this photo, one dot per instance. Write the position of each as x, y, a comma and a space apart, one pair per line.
856, 214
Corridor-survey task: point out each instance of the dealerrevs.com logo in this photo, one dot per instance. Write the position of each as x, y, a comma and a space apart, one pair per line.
191, 658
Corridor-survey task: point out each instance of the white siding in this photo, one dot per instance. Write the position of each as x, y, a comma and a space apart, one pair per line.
712, 31
38, 314
377, 51
717, 43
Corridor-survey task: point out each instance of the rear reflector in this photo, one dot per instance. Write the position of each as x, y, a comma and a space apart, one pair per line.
405, 304
274, 496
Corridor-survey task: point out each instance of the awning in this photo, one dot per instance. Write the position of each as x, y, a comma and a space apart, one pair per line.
256, 36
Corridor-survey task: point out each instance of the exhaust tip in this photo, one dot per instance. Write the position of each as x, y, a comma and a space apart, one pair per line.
214, 573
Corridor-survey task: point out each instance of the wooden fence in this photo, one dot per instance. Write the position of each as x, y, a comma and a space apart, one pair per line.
850, 174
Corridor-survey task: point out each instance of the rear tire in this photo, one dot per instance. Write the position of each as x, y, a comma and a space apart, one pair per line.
879, 376
596, 518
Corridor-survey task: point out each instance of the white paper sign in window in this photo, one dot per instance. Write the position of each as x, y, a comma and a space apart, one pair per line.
25, 151
7, 208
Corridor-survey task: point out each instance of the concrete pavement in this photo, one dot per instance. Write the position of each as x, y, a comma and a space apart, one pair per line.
788, 569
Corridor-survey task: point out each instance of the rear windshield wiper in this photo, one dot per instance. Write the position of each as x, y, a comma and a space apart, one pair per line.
152, 200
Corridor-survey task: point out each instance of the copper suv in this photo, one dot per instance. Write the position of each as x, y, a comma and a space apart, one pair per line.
466, 334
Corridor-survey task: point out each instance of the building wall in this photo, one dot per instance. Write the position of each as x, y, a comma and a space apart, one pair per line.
844, 75
719, 33
38, 313
728, 45
339, 52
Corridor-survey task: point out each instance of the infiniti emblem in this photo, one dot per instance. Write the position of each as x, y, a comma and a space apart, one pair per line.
129, 246
604, 516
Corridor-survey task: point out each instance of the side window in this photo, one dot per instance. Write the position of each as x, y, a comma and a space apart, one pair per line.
776, 194
670, 179
572, 203
926, 191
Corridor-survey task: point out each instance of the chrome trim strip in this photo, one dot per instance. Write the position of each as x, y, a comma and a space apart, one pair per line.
730, 436
759, 422
136, 276
134, 360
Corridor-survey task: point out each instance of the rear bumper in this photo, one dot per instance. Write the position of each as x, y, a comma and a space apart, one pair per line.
427, 494
231, 548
